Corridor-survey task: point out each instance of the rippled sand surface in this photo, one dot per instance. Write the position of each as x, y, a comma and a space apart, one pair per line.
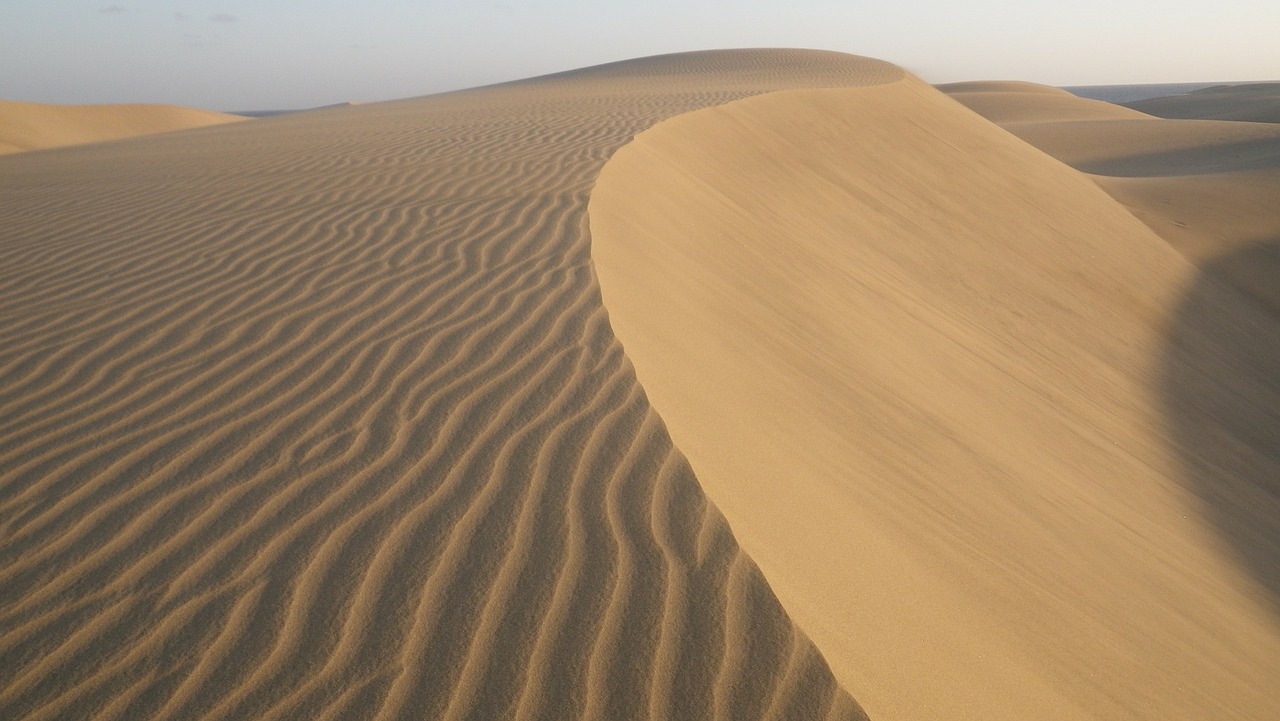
321, 416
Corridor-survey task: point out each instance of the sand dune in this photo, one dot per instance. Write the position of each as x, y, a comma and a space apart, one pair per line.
322, 417
1000, 449
1009, 102
325, 417
273, 113
1258, 102
1208, 187
33, 126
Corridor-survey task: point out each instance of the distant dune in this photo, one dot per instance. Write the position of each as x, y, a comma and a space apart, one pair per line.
1011, 102
274, 113
33, 126
1258, 102
1209, 187
1123, 94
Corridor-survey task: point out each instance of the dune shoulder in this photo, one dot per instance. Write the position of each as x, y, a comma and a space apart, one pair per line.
35, 126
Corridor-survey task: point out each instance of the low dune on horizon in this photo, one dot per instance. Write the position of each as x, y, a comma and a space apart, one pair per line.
38, 126
741, 384
1257, 102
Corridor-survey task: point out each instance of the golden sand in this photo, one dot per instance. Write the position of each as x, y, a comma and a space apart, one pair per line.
935, 380
733, 384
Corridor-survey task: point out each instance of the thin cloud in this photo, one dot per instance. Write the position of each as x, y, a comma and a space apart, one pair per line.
114, 9
180, 16
222, 18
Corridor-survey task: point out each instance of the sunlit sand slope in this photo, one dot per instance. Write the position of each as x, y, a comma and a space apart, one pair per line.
32, 126
322, 417
924, 370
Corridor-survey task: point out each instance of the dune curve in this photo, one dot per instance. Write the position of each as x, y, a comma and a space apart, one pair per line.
918, 365
322, 417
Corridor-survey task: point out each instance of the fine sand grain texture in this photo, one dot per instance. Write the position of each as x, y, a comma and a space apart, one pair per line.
33, 126
966, 412
321, 417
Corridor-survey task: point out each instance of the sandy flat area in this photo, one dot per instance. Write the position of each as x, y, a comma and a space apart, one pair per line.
35, 126
1001, 449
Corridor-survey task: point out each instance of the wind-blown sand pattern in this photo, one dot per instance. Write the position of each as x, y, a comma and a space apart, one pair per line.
321, 417
35, 126
1000, 449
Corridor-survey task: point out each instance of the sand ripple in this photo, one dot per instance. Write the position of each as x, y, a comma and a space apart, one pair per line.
321, 417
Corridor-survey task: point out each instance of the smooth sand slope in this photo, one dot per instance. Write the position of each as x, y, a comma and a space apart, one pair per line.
1001, 450
33, 126
321, 417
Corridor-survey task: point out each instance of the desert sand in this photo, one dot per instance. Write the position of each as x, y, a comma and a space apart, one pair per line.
733, 384
36, 126
1000, 449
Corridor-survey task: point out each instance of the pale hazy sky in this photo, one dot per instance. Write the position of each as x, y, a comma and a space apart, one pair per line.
247, 55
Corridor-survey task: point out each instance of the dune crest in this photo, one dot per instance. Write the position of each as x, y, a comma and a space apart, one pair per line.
323, 418
35, 126
918, 365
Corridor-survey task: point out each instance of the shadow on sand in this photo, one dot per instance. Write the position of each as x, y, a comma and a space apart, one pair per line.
1221, 386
